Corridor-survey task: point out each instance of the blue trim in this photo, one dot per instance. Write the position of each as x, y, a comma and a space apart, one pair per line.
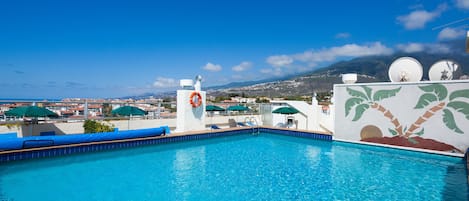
294, 133
46, 141
54, 151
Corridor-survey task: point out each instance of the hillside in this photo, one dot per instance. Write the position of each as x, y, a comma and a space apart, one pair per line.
369, 69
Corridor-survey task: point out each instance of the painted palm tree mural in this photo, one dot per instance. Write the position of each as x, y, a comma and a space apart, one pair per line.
365, 100
438, 94
434, 100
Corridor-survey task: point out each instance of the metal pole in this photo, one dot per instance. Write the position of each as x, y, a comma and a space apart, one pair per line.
85, 110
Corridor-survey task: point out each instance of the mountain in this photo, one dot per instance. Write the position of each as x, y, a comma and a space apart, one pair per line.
369, 69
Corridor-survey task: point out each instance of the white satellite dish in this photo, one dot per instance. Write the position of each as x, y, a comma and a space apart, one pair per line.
405, 69
442, 70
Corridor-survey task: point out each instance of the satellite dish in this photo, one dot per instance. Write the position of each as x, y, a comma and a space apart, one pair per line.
405, 69
442, 70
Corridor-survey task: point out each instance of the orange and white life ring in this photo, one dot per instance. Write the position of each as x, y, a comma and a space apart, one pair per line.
325, 108
195, 99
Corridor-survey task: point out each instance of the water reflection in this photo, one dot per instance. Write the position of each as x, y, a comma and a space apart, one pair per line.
188, 165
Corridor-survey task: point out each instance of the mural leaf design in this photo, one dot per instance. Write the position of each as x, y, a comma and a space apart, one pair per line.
363, 100
412, 140
359, 110
392, 131
425, 100
460, 106
351, 103
382, 94
437, 89
420, 132
459, 94
448, 119
357, 94
423, 118
368, 91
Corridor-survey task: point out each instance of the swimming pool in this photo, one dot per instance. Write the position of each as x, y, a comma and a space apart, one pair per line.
240, 167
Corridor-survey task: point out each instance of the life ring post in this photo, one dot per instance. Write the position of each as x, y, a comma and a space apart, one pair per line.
195, 99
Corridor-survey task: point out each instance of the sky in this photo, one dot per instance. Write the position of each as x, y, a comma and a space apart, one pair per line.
109, 49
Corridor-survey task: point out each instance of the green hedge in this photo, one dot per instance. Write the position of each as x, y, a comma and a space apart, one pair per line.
92, 126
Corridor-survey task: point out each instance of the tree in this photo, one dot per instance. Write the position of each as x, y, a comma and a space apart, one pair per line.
107, 110
92, 126
363, 101
262, 100
448, 104
433, 93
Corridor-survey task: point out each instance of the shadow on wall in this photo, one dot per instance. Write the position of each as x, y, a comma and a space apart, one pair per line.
45, 129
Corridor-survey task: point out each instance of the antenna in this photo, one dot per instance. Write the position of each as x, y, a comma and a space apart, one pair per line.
442, 70
467, 42
405, 69
451, 23
455, 22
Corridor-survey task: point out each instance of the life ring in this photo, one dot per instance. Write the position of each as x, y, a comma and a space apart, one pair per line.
325, 109
195, 99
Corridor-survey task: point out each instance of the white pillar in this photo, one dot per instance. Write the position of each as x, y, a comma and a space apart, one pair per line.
314, 100
189, 118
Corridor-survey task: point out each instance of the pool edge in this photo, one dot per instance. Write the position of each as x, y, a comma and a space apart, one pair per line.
61, 150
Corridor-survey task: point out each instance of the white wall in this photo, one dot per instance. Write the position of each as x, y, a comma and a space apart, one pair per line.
310, 117
77, 127
188, 117
402, 106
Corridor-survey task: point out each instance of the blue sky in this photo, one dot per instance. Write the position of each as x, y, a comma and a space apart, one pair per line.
100, 49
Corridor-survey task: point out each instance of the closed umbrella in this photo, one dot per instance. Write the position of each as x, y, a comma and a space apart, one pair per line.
129, 111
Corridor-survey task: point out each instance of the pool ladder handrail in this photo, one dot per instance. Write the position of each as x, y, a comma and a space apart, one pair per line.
252, 122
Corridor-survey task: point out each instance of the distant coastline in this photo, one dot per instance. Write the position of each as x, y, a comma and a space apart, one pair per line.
29, 99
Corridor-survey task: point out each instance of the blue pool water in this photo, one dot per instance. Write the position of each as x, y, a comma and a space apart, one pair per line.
243, 167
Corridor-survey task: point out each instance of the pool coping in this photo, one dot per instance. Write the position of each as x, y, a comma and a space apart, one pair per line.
60, 150
428, 151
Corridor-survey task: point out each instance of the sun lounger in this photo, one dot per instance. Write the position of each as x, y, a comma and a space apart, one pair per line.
250, 123
241, 124
214, 127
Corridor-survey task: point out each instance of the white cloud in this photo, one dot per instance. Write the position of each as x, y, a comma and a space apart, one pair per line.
242, 66
350, 50
162, 82
450, 33
342, 35
419, 47
419, 18
438, 48
313, 58
272, 71
463, 4
411, 47
212, 67
279, 60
